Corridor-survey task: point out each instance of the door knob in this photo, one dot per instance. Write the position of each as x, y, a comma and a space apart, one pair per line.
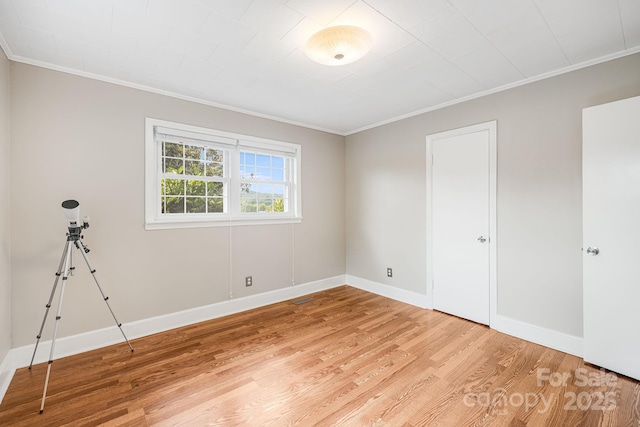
593, 251
482, 239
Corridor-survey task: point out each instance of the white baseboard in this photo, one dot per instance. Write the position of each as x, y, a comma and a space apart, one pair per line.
408, 297
7, 369
526, 331
21, 356
536, 334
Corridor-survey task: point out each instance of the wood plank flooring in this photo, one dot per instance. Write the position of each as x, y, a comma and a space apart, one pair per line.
347, 358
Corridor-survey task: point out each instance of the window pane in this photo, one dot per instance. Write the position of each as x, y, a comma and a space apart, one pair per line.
214, 189
249, 159
263, 160
214, 155
264, 190
249, 172
265, 197
215, 205
172, 149
172, 187
194, 152
278, 205
248, 188
174, 205
173, 166
279, 197
277, 174
194, 168
196, 188
263, 173
267, 167
248, 205
196, 205
277, 162
248, 201
264, 207
215, 169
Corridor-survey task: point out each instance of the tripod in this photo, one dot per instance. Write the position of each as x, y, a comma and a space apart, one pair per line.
65, 269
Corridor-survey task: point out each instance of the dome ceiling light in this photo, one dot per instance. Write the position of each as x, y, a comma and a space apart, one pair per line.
339, 45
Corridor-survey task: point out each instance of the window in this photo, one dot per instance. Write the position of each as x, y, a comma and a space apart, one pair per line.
264, 184
192, 177
197, 177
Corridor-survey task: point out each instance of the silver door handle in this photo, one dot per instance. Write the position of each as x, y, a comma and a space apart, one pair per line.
482, 239
593, 251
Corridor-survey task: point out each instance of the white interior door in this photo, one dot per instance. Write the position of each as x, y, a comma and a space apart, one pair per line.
611, 236
460, 226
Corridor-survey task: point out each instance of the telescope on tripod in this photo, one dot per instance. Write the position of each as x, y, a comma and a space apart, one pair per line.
65, 269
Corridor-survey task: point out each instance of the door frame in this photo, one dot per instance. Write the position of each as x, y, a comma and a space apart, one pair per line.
491, 127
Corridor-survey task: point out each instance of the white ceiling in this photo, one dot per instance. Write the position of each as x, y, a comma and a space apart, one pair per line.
248, 55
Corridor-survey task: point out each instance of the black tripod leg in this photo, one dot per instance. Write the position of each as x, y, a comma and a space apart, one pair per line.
83, 251
48, 306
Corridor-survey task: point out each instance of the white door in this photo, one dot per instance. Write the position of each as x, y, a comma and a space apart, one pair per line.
611, 235
460, 228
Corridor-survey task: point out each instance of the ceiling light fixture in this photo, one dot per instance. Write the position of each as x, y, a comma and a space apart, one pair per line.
339, 45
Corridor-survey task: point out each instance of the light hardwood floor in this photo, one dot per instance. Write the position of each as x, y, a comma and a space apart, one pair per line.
348, 358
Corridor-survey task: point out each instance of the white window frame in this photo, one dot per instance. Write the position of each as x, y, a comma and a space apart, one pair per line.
232, 144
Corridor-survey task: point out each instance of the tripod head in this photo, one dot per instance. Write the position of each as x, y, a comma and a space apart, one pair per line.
72, 212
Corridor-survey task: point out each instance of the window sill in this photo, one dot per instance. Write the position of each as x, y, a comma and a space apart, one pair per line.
173, 224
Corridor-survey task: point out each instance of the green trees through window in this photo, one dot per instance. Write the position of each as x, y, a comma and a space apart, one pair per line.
198, 177
192, 179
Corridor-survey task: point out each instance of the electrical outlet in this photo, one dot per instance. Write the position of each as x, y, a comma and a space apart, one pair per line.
389, 272
248, 281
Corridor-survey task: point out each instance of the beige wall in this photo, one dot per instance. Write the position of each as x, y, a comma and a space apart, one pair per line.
5, 219
74, 137
539, 198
